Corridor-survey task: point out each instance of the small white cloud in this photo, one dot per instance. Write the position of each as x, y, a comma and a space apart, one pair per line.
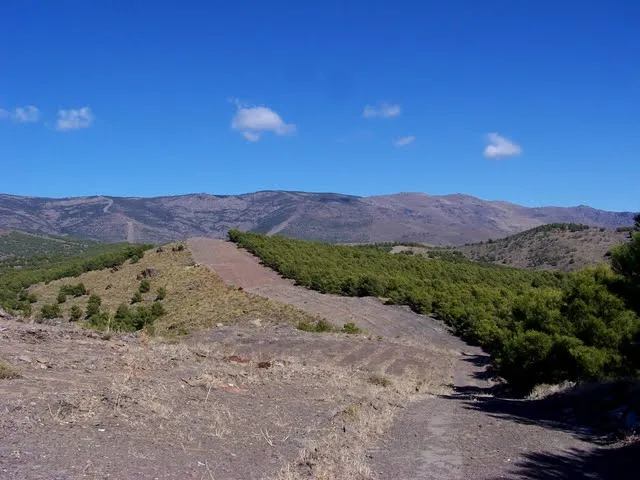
251, 136
500, 146
74, 119
26, 114
384, 110
404, 141
252, 122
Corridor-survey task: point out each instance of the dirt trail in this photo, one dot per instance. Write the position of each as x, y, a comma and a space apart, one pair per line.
464, 435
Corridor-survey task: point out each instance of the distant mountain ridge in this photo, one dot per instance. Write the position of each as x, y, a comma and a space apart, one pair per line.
439, 220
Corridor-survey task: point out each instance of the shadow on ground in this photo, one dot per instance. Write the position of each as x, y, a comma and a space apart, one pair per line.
605, 463
584, 416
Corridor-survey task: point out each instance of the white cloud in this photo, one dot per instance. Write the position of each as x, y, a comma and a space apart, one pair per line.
252, 122
384, 110
500, 146
251, 136
404, 141
74, 119
26, 114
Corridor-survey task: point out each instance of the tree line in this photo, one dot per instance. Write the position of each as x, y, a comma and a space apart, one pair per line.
539, 327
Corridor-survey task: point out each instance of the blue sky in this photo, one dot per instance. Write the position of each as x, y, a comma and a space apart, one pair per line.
534, 102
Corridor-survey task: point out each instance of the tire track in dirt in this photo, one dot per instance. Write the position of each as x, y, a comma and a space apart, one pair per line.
442, 437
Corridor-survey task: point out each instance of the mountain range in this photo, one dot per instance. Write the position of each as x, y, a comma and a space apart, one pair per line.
439, 220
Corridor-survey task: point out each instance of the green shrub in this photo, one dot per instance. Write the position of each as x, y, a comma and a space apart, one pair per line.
145, 286
26, 309
351, 328
137, 297
161, 294
128, 319
50, 311
93, 305
75, 313
75, 291
320, 326
100, 320
157, 310
61, 297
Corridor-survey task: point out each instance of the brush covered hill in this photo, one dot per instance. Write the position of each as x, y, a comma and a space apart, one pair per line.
192, 297
29, 250
549, 247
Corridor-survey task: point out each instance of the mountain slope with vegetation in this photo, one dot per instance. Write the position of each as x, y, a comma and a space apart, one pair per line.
28, 250
191, 297
540, 327
331, 217
547, 247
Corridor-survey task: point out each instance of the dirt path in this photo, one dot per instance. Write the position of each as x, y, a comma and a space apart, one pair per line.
109, 204
464, 435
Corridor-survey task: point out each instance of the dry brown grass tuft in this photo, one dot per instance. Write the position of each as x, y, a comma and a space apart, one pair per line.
380, 380
195, 297
8, 371
368, 412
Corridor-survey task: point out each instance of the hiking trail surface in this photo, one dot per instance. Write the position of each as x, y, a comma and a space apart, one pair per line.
464, 433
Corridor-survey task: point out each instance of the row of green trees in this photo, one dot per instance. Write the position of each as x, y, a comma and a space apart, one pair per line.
538, 326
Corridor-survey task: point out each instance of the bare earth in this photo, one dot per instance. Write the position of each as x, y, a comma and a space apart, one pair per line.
462, 434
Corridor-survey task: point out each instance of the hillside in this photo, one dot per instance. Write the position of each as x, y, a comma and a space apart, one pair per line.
23, 250
539, 327
559, 247
437, 220
194, 297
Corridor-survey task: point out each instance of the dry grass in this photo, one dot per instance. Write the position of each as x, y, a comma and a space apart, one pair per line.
8, 371
368, 412
196, 297
380, 380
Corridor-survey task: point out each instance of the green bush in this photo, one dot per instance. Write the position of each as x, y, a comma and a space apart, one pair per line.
61, 297
75, 313
137, 297
50, 311
26, 309
352, 329
77, 290
100, 320
128, 319
145, 286
320, 326
161, 294
93, 305
157, 310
